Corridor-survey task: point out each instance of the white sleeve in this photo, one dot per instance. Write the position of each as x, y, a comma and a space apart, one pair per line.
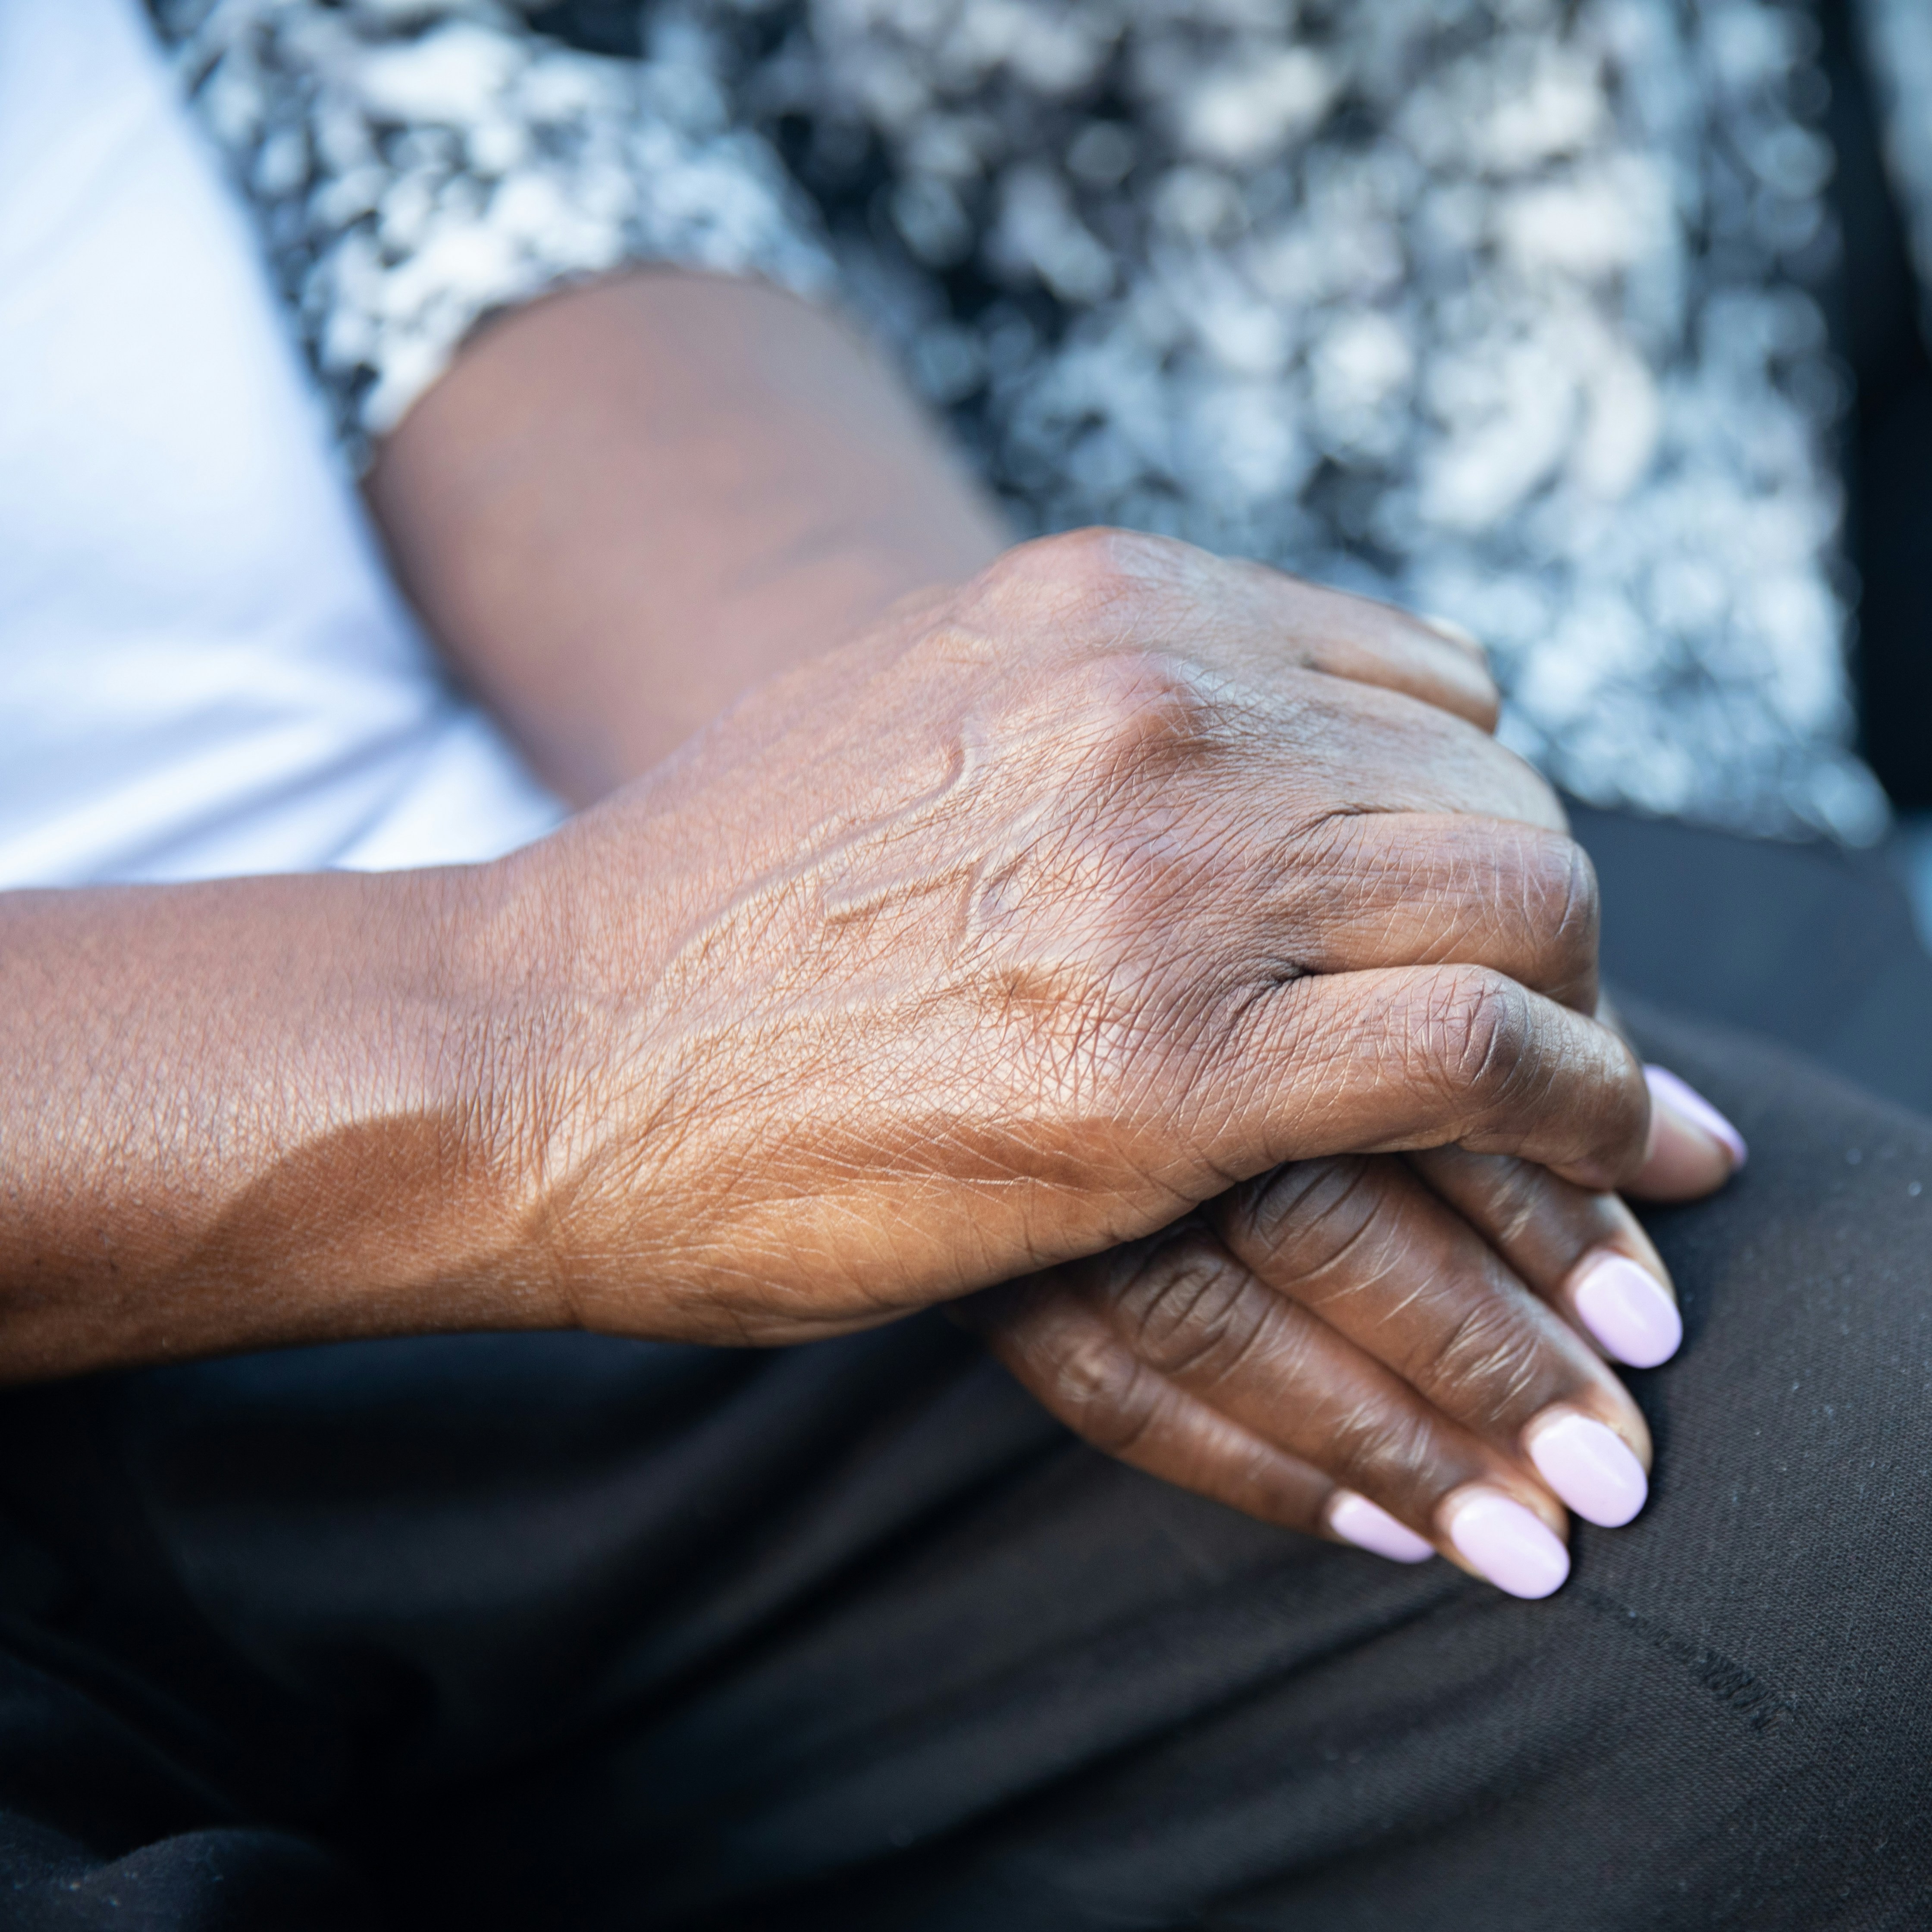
415, 165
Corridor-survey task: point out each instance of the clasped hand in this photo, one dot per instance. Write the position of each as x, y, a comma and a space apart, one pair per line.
1091, 927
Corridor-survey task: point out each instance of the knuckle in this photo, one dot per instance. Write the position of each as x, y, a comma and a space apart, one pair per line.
1101, 1393
1098, 582
1510, 1196
1302, 1216
1387, 1449
1482, 1368
1096, 566
1131, 713
1471, 1032
1560, 890
1192, 1310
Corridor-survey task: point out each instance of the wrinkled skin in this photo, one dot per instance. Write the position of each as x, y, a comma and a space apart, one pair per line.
1022, 927
1398, 1327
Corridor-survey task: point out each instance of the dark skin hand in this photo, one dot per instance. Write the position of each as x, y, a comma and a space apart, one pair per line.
1016, 929
1403, 1330
1026, 924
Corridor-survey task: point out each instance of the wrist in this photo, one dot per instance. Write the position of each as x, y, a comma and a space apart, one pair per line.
547, 984
469, 1005
255, 1112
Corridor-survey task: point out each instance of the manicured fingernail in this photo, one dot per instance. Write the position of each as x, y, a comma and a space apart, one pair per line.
1358, 1521
1509, 1546
1690, 1106
1460, 633
1591, 1467
1629, 1311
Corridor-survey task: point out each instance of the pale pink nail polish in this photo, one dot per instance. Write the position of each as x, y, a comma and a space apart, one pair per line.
1591, 1467
1683, 1100
1357, 1520
1509, 1546
1629, 1311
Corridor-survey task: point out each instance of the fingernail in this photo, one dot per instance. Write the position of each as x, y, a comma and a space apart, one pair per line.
1629, 1311
1460, 634
1357, 1520
1591, 1467
1509, 1546
1684, 1101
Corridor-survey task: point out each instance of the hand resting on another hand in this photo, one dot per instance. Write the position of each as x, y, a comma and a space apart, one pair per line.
1020, 928
1391, 1352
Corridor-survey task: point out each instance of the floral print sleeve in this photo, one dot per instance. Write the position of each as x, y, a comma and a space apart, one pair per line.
417, 164
1503, 309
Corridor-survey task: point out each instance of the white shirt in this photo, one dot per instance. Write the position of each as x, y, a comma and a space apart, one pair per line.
204, 670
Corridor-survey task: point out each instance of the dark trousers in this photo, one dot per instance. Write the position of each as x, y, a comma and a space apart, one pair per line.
553, 1632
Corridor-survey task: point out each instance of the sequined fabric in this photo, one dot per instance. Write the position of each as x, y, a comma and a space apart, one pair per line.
1502, 308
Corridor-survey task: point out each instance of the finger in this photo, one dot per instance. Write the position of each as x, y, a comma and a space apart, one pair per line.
1058, 1346
1458, 635
1399, 889
1371, 643
1368, 749
1404, 1058
1070, 1358
1585, 1253
1188, 1311
1338, 671
1692, 1150
1363, 1244
1249, 617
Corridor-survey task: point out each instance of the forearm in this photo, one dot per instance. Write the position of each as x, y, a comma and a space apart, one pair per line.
259, 1112
626, 505
953, 951
246, 1113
